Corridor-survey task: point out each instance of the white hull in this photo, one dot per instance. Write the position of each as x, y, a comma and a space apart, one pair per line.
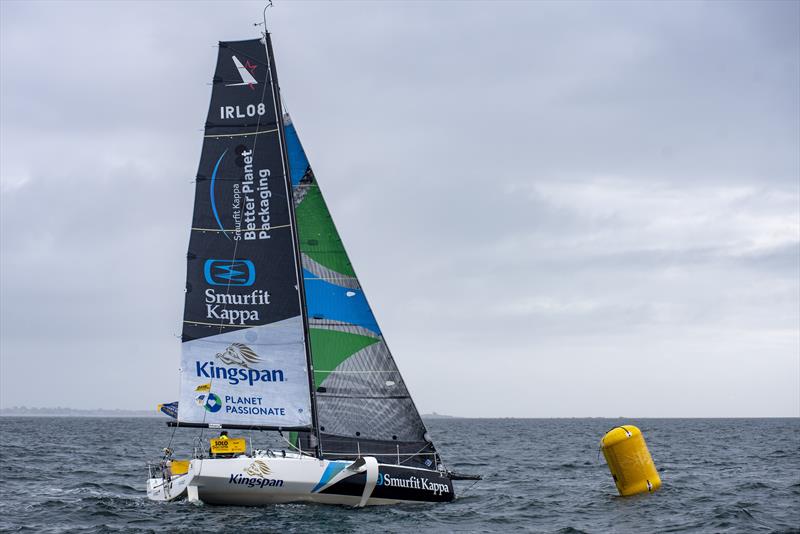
265, 480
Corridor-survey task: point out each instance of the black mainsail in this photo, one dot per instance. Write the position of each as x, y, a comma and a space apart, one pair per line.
244, 360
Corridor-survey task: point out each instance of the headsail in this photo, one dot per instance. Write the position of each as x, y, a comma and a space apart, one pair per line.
244, 359
363, 405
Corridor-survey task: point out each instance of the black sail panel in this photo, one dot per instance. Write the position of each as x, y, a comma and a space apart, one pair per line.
241, 218
244, 355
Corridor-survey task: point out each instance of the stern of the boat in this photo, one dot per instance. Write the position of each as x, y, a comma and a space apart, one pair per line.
164, 486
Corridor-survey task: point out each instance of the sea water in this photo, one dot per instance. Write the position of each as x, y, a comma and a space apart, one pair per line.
541, 475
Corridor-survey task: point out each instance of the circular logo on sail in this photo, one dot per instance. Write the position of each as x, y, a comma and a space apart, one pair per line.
211, 402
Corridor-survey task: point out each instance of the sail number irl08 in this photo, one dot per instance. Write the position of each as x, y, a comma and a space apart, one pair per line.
236, 112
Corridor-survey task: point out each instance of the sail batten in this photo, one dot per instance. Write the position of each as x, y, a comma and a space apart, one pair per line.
243, 134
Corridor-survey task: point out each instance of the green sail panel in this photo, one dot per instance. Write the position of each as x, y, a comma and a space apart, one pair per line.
319, 239
334, 347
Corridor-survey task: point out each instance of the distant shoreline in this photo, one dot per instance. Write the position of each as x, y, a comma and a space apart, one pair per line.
72, 412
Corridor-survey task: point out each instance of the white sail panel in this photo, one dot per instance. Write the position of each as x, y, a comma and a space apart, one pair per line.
255, 376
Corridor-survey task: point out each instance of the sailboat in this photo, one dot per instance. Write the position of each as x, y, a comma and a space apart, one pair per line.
277, 333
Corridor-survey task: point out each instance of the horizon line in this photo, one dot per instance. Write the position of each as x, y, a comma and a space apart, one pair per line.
431, 415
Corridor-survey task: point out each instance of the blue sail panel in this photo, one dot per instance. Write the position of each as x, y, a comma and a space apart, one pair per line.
332, 302
298, 163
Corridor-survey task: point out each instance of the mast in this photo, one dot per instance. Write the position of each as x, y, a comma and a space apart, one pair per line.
275, 87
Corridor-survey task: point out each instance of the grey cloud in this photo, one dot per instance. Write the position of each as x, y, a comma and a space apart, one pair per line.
540, 198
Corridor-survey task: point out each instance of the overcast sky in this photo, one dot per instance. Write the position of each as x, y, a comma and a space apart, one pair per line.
566, 209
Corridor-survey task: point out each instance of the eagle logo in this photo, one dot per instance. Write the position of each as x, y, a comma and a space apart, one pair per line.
238, 354
258, 469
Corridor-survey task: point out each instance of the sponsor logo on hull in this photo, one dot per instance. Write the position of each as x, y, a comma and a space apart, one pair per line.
258, 472
258, 468
412, 482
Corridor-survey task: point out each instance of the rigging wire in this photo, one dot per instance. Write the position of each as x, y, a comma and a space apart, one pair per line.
171, 438
464, 493
292, 445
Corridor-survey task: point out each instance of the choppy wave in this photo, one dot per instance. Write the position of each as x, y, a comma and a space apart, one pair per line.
87, 475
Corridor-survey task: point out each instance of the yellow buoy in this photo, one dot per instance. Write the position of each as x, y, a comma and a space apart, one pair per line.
629, 461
